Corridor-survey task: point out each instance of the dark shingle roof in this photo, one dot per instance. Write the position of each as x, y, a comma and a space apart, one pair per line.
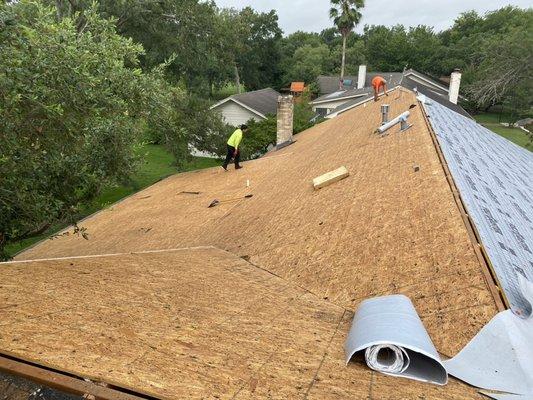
341, 94
393, 79
352, 103
436, 94
439, 96
264, 101
330, 84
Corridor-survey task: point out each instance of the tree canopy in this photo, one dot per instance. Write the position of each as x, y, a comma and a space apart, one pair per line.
73, 105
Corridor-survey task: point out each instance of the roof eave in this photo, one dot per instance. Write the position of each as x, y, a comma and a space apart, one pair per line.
337, 99
239, 103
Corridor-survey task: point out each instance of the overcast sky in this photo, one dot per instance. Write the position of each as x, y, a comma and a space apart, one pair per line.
312, 15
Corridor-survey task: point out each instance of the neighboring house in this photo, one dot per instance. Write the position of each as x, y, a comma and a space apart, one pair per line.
334, 101
240, 108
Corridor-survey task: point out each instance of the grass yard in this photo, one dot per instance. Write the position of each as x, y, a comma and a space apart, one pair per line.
515, 135
156, 165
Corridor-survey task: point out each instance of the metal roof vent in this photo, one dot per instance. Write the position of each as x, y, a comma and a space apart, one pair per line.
384, 113
402, 119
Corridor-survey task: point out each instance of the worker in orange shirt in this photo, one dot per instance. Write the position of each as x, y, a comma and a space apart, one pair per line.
377, 83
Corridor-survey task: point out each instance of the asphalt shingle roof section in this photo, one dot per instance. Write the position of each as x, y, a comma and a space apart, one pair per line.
439, 96
265, 100
352, 103
493, 176
330, 84
340, 94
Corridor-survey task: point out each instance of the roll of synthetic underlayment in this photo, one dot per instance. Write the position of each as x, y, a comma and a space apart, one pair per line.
390, 334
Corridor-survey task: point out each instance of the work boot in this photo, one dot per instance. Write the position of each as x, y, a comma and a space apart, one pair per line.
225, 167
238, 167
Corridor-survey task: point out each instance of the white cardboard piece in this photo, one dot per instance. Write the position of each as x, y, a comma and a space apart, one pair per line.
394, 340
500, 356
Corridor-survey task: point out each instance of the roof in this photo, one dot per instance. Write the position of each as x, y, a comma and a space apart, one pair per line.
262, 102
350, 104
340, 94
387, 228
166, 353
330, 84
410, 79
493, 177
297, 87
440, 97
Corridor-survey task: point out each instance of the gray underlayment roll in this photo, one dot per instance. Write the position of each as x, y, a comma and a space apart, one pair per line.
394, 341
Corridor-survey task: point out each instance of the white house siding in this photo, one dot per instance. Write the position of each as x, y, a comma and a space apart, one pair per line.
235, 114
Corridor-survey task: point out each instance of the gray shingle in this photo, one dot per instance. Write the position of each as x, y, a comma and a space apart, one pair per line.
330, 84
264, 101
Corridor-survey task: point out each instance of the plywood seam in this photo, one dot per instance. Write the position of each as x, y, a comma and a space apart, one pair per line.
272, 354
371, 385
311, 384
111, 254
290, 284
488, 272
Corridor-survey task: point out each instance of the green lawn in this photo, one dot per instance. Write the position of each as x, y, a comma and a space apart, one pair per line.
156, 165
515, 135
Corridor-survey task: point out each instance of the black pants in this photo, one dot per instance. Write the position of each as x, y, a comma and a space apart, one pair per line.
229, 156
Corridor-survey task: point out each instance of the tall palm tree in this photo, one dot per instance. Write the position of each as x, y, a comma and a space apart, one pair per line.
345, 15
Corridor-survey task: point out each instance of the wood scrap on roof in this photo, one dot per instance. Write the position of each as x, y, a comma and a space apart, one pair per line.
330, 177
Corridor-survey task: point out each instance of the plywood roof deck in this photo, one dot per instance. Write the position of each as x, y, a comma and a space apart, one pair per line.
189, 323
385, 229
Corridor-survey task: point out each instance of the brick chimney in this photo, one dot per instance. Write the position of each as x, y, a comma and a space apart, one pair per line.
285, 120
361, 78
455, 84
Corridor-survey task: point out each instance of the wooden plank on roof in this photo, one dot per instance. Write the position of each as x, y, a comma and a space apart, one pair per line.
330, 177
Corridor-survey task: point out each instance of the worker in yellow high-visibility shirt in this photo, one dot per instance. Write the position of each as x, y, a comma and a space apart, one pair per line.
233, 147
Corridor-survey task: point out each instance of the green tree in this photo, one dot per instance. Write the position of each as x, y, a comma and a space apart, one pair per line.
494, 52
504, 74
307, 63
73, 105
387, 49
345, 15
259, 61
355, 55
188, 28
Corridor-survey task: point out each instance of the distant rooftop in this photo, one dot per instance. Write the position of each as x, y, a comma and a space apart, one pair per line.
297, 87
264, 101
